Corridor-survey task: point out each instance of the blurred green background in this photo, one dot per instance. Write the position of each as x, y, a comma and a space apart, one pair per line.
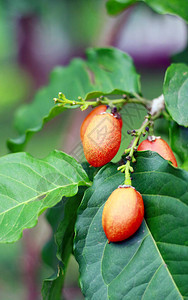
36, 36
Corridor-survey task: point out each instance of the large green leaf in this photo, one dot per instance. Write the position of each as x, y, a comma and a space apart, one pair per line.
174, 7
28, 186
52, 286
54, 216
153, 263
179, 140
175, 93
106, 71
65, 231
62, 219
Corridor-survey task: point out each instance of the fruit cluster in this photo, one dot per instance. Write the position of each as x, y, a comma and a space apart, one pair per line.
100, 133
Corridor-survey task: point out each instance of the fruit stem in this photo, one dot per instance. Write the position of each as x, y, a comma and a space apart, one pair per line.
84, 104
132, 148
147, 125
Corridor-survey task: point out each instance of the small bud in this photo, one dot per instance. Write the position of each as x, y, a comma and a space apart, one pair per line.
129, 131
147, 128
79, 98
128, 158
101, 97
127, 151
117, 115
133, 159
131, 169
60, 95
133, 131
98, 100
114, 110
144, 134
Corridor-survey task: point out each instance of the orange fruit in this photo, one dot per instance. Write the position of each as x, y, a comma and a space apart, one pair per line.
123, 213
161, 147
102, 139
96, 111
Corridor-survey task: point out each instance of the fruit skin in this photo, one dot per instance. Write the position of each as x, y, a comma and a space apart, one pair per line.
161, 147
96, 111
102, 139
123, 214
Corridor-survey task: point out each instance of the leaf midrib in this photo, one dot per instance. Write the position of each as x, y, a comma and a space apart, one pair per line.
155, 244
39, 195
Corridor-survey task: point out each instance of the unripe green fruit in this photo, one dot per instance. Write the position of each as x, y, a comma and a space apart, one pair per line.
123, 213
102, 139
161, 147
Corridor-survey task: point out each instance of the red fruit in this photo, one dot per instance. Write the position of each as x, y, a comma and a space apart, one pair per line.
102, 139
96, 111
161, 147
123, 214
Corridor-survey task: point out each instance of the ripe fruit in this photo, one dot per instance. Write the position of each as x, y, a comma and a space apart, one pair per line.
96, 111
122, 214
102, 139
161, 147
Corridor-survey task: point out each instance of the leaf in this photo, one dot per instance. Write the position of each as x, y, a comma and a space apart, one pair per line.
106, 71
115, 6
61, 227
28, 186
179, 140
175, 93
62, 218
52, 286
54, 216
173, 7
65, 231
185, 165
153, 263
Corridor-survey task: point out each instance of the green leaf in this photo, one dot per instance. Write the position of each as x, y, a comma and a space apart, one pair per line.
179, 140
173, 7
65, 231
153, 263
52, 286
62, 219
116, 6
54, 216
28, 186
185, 165
175, 93
61, 227
106, 71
